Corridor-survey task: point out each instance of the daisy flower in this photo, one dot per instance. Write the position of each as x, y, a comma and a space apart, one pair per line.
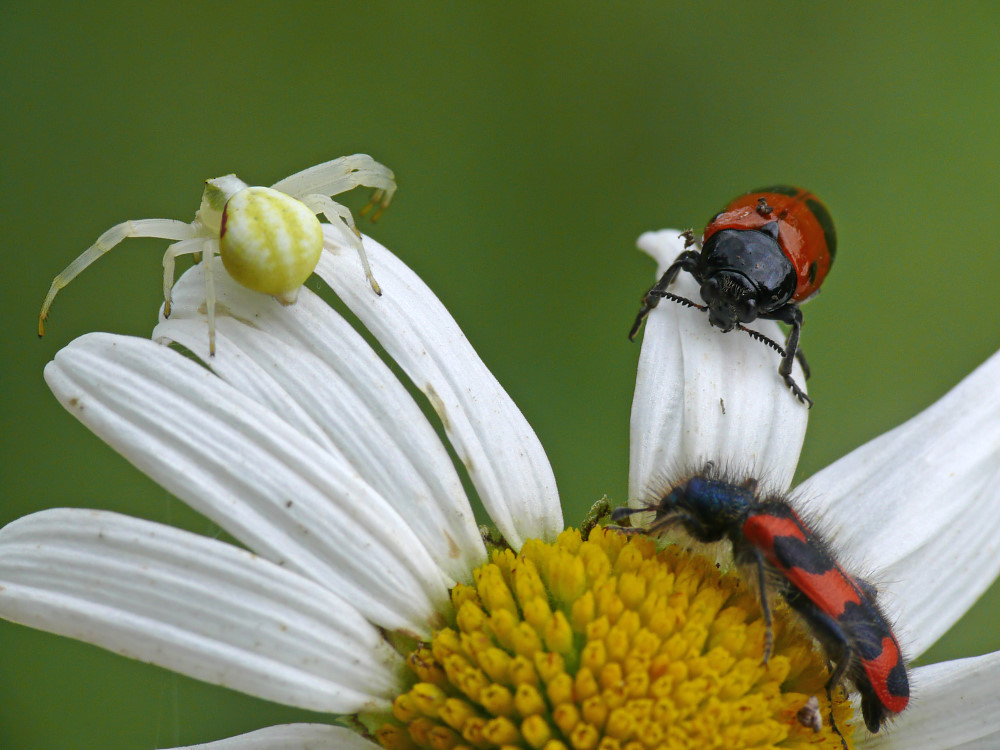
364, 588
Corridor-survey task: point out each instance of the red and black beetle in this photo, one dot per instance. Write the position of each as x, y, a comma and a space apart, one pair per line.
766, 252
784, 555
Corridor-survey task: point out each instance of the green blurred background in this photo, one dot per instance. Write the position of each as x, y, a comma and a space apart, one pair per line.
533, 143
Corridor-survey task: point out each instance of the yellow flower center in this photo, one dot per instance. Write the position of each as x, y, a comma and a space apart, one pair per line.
606, 644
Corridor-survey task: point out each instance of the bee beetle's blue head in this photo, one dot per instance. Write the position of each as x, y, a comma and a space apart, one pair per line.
708, 509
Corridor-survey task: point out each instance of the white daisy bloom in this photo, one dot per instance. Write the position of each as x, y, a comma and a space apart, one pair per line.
367, 590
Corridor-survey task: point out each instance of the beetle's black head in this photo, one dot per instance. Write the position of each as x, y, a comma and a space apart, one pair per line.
731, 299
744, 274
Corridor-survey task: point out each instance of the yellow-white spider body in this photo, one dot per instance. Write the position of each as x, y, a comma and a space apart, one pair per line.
269, 238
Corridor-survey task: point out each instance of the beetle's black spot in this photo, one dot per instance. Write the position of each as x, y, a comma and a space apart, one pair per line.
812, 272
866, 627
803, 554
897, 681
826, 222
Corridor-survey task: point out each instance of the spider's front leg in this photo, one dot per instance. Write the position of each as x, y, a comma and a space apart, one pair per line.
167, 229
339, 176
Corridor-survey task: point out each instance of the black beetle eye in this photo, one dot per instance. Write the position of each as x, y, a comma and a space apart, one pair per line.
746, 310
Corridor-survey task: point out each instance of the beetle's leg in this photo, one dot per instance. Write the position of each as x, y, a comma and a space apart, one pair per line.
833, 720
620, 514
687, 261
758, 561
792, 315
166, 229
340, 217
831, 635
801, 357
665, 519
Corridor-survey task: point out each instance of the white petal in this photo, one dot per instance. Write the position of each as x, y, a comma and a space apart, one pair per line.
391, 428
987, 742
193, 605
292, 737
492, 438
264, 482
308, 394
704, 395
921, 505
955, 704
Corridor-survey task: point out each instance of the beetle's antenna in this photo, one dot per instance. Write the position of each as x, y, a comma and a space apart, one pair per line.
757, 335
682, 300
762, 339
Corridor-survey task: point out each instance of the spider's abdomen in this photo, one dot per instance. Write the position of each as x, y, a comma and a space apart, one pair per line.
269, 241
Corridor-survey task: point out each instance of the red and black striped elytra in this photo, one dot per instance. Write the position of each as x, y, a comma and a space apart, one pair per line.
787, 556
762, 255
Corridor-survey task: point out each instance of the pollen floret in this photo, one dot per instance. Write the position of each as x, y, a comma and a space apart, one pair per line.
607, 643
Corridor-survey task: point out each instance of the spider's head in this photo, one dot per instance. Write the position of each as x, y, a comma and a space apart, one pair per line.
213, 201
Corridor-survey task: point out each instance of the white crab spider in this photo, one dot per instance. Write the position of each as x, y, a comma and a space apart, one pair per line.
269, 238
